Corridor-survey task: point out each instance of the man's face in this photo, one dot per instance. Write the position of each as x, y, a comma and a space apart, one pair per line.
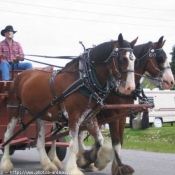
9, 34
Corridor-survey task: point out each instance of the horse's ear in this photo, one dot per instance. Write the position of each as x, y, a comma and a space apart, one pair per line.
120, 39
134, 41
163, 43
160, 40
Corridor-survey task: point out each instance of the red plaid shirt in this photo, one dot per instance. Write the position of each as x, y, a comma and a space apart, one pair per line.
11, 51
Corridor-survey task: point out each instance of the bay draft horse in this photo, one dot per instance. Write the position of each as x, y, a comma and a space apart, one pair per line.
31, 91
151, 58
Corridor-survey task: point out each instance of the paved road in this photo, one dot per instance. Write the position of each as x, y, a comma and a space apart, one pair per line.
144, 163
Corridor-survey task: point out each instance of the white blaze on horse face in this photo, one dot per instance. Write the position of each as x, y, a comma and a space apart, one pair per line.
130, 80
167, 76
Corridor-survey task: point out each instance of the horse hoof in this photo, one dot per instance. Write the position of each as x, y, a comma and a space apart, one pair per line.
6, 166
49, 166
57, 162
82, 162
75, 171
90, 168
100, 167
123, 170
126, 169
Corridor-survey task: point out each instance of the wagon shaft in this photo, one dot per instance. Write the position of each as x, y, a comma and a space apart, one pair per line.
119, 106
120, 116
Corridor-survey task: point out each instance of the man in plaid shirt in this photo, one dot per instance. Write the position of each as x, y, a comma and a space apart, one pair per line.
10, 54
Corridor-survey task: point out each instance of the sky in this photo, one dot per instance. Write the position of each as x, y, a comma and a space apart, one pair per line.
55, 27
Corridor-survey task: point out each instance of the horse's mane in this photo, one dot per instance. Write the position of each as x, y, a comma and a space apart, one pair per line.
101, 52
98, 54
140, 51
74, 62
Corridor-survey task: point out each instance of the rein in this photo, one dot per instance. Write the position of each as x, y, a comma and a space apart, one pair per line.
55, 57
152, 53
43, 63
86, 80
115, 53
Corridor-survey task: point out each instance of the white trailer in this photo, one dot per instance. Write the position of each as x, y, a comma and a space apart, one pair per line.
164, 105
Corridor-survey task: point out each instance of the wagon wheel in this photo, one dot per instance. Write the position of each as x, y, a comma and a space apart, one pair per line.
11, 150
61, 151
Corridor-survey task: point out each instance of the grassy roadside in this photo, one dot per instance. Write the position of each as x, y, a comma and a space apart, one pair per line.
152, 139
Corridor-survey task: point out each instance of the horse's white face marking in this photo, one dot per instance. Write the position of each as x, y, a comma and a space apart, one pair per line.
168, 76
49, 114
129, 85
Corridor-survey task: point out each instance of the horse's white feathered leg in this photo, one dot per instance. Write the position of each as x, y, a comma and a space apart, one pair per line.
87, 157
52, 153
46, 164
6, 164
81, 145
71, 166
105, 156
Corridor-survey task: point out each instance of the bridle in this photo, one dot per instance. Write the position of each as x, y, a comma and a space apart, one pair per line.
115, 52
152, 53
120, 60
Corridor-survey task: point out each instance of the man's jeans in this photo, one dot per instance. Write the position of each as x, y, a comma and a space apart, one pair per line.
5, 68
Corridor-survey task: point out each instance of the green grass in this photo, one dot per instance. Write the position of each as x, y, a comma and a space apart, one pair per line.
152, 139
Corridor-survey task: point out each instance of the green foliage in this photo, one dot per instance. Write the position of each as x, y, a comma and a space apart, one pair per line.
173, 60
146, 83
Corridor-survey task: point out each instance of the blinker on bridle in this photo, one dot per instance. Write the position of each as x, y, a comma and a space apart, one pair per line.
120, 59
152, 53
114, 53
127, 49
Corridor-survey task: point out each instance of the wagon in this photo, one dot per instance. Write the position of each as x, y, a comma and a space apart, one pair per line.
27, 138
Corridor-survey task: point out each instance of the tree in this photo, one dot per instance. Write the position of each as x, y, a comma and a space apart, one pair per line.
172, 64
146, 83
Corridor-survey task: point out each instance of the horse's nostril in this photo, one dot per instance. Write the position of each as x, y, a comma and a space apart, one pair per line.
172, 82
128, 89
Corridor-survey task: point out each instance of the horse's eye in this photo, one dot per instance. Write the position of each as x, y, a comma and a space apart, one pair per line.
160, 59
125, 60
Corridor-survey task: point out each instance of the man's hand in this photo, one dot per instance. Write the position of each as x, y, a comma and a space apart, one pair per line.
2, 55
16, 58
